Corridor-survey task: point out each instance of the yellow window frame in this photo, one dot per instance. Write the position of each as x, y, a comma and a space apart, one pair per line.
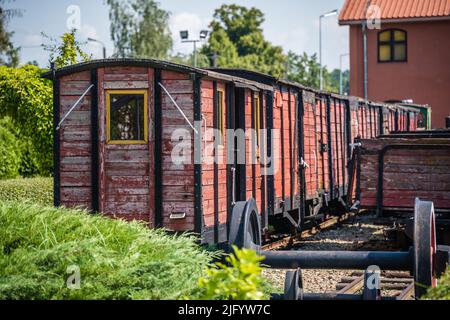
257, 117
220, 112
108, 94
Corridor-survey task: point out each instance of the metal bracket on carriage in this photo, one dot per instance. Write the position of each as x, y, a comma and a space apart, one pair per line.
421, 259
354, 145
74, 106
355, 206
291, 220
303, 164
178, 107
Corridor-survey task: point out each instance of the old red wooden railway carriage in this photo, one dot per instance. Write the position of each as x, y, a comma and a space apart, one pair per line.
114, 150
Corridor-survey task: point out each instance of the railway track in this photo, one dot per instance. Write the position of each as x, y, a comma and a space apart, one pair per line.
291, 240
398, 285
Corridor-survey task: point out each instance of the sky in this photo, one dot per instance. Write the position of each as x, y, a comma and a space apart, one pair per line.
292, 24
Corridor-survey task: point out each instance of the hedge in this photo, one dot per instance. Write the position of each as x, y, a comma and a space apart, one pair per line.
33, 190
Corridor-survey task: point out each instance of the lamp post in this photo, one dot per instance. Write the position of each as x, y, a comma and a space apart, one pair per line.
340, 71
184, 35
325, 15
101, 43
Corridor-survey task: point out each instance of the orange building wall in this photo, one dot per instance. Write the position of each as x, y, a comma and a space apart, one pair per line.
425, 77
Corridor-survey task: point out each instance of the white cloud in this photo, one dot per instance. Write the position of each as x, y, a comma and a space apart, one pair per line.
31, 40
293, 39
190, 22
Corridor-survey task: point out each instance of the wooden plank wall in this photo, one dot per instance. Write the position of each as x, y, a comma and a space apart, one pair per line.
125, 181
338, 145
249, 174
75, 142
311, 147
253, 186
210, 206
293, 151
407, 173
177, 179
278, 141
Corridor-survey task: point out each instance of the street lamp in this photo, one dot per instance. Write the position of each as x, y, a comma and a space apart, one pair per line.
184, 35
340, 70
101, 43
325, 15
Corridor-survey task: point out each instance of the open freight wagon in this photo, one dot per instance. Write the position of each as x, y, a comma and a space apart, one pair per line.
177, 147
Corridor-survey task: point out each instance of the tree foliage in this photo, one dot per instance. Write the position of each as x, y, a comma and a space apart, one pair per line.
26, 98
237, 37
139, 28
306, 70
9, 55
9, 151
66, 52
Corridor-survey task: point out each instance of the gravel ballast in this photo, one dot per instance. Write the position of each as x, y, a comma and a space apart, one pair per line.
344, 236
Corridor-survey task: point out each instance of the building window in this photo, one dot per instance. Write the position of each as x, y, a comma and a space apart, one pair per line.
126, 116
392, 46
220, 115
257, 119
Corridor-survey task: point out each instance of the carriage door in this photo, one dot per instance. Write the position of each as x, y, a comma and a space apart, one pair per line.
125, 154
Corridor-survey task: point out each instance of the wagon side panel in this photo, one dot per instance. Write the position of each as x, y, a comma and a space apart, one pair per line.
75, 141
177, 171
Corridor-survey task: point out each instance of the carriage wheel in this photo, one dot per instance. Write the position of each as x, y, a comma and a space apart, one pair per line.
293, 285
245, 228
424, 247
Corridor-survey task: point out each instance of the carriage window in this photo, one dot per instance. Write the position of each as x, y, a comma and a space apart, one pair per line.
257, 120
220, 114
126, 113
392, 46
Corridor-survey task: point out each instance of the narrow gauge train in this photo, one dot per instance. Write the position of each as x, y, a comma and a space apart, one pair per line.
119, 122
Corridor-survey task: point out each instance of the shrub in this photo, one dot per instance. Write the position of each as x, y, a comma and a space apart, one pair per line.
241, 279
442, 290
116, 259
9, 152
27, 99
33, 190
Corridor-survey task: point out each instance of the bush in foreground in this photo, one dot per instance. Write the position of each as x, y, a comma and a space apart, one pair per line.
442, 291
40, 247
239, 279
34, 190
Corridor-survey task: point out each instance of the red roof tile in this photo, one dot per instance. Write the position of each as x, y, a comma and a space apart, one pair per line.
355, 10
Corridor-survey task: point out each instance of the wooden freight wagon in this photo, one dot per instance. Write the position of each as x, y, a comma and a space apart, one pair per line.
317, 146
119, 123
397, 168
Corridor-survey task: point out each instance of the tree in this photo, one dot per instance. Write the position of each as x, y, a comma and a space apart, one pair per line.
237, 38
9, 55
335, 80
304, 69
67, 52
139, 28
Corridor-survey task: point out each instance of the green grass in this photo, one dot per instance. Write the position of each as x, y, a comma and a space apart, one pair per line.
34, 190
442, 291
117, 259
